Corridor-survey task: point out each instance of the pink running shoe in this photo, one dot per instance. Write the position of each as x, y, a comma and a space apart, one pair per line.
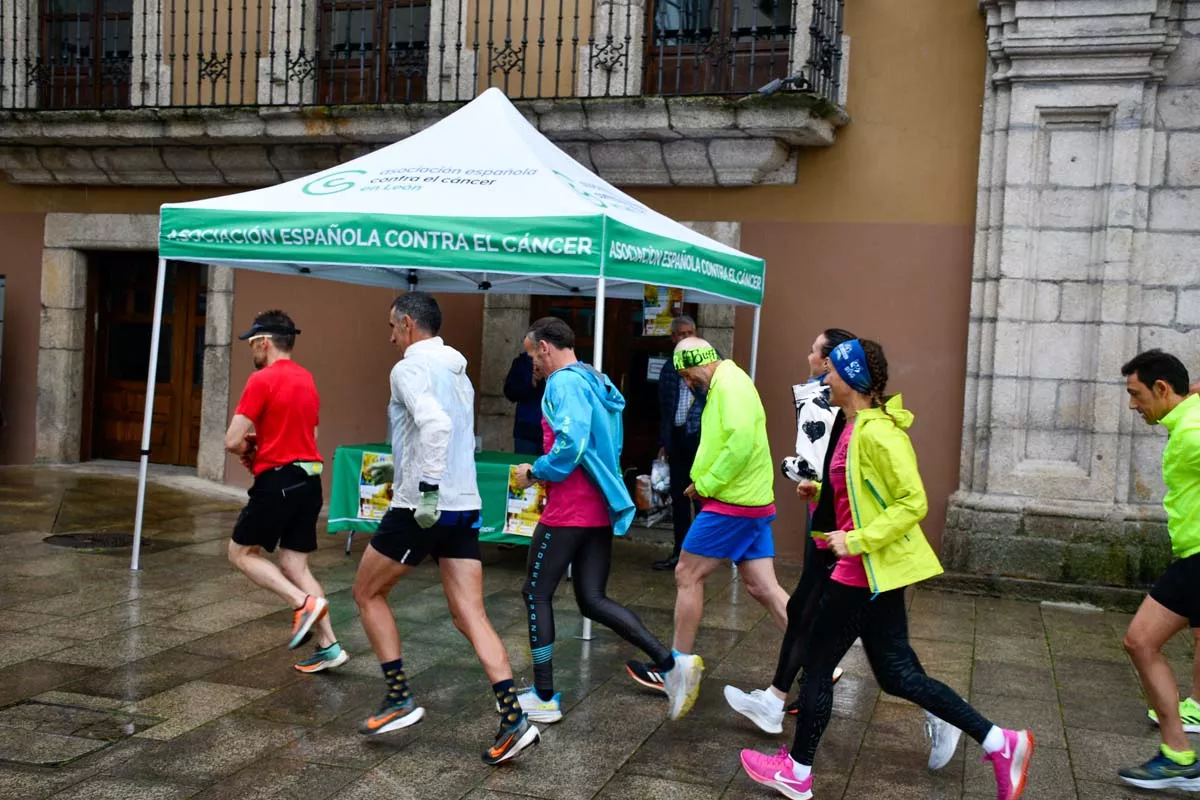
1011, 763
776, 771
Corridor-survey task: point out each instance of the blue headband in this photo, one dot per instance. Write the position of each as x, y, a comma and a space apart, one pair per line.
850, 362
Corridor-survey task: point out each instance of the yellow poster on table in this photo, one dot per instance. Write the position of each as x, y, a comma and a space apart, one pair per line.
660, 305
525, 506
375, 485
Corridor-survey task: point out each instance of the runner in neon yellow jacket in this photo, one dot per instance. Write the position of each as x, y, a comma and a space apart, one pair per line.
733, 463
887, 500
878, 501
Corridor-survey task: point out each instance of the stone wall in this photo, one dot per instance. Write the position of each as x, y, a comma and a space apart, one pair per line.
1088, 222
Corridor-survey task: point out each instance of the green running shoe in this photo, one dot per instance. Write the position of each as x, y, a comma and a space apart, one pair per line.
1189, 712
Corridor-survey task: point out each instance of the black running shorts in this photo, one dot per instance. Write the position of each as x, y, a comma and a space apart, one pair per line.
401, 539
283, 509
1179, 589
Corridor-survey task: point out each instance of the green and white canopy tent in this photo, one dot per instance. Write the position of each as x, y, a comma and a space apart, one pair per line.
479, 201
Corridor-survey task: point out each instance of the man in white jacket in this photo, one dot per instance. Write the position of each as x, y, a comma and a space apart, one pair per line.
435, 512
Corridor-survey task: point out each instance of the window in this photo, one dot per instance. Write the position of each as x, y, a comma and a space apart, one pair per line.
717, 46
372, 51
86, 53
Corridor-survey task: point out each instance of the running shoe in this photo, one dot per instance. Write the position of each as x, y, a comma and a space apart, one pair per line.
776, 771
392, 716
793, 707
1189, 712
323, 658
540, 710
1161, 772
512, 740
305, 617
647, 675
682, 683
943, 740
756, 706
1011, 763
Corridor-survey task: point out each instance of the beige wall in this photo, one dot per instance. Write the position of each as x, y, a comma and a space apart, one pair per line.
344, 343
22, 266
907, 287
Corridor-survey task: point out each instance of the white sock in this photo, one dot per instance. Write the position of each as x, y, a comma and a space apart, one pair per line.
994, 741
801, 771
773, 702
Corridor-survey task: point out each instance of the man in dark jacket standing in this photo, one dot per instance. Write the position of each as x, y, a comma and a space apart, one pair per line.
679, 413
522, 388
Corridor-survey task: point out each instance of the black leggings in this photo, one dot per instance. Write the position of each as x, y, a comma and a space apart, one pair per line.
882, 623
802, 610
588, 551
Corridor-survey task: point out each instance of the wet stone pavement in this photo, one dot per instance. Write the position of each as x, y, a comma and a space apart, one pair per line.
174, 682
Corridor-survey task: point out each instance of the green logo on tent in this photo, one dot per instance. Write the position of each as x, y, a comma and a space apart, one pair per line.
332, 183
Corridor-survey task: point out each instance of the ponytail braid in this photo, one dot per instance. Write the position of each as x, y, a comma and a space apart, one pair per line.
878, 366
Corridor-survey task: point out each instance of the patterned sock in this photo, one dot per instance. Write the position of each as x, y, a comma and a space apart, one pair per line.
393, 673
543, 672
506, 696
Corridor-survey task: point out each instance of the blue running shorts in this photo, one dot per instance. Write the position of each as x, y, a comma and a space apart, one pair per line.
739, 539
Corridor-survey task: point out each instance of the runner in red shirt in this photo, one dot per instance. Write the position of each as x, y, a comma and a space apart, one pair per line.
274, 432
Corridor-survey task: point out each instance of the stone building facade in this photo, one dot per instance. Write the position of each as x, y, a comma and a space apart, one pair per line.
1087, 252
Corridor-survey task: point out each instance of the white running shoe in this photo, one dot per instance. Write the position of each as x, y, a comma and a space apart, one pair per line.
682, 683
757, 707
943, 740
539, 710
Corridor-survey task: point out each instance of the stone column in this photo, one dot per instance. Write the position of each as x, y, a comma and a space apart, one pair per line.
505, 320
287, 68
610, 65
451, 60
61, 356
218, 338
1064, 219
716, 322
150, 74
17, 51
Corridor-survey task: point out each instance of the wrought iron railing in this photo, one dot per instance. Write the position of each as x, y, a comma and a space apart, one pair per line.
71, 54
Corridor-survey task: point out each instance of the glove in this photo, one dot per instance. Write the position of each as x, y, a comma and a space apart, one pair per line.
382, 472
427, 512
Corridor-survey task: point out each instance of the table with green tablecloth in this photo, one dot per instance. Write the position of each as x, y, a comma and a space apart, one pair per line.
345, 514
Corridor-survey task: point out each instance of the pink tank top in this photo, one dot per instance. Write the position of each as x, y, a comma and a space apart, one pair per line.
574, 502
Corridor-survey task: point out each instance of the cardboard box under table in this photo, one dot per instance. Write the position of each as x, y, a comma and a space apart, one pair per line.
358, 502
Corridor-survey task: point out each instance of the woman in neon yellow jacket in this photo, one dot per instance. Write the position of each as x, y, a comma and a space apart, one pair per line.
879, 502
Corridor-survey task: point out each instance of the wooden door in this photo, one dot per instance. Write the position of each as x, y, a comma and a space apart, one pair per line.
627, 358
124, 309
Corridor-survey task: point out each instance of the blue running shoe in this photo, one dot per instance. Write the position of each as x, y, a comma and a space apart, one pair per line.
1161, 772
512, 739
393, 714
323, 658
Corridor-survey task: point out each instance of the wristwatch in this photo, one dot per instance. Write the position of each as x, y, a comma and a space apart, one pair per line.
424, 487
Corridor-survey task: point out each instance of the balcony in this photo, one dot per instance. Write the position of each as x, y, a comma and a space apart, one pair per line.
250, 92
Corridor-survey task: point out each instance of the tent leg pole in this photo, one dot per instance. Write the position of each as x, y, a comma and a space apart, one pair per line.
753, 367
148, 417
754, 342
597, 362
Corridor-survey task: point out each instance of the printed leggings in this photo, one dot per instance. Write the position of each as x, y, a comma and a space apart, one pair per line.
588, 551
802, 610
882, 623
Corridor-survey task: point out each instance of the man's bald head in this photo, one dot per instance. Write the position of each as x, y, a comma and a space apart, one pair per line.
691, 343
696, 360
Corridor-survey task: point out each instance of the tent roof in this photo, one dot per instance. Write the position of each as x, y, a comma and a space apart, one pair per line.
480, 200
